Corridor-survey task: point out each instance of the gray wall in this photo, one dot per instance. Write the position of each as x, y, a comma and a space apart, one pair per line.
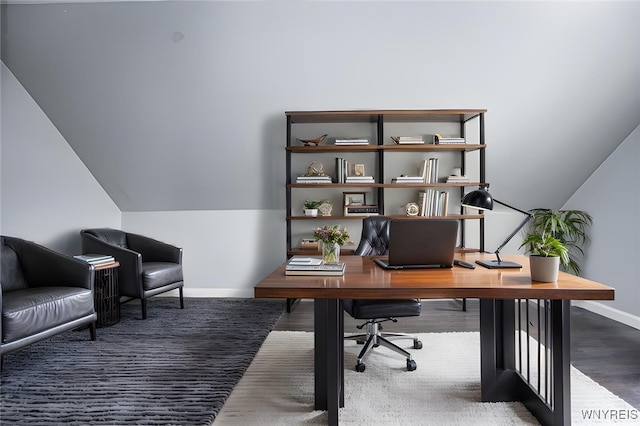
611, 195
186, 134
47, 194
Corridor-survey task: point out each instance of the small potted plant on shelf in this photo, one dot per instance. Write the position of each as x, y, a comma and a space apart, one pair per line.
311, 207
546, 254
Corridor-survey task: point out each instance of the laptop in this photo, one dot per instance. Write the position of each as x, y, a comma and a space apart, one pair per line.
421, 244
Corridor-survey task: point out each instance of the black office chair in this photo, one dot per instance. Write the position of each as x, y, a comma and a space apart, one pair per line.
375, 241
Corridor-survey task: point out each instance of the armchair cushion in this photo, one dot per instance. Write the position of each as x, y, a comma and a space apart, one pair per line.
159, 274
31, 311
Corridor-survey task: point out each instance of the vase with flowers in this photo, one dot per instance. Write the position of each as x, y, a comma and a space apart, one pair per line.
332, 237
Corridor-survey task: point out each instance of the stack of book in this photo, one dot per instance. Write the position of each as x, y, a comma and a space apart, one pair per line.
96, 259
352, 141
407, 140
309, 244
361, 210
299, 265
313, 179
359, 179
407, 179
457, 179
433, 202
439, 140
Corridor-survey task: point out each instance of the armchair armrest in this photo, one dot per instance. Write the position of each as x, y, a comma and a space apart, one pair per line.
44, 267
154, 250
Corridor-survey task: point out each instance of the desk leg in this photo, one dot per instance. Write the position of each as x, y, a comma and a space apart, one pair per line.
500, 379
497, 350
329, 357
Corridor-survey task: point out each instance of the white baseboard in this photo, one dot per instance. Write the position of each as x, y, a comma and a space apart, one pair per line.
608, 312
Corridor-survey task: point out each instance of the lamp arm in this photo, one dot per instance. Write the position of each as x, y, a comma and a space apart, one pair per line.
524, 222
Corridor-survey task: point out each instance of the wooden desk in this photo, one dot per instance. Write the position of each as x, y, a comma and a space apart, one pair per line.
500, 291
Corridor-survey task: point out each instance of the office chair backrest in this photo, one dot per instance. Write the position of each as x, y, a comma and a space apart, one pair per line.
375, 236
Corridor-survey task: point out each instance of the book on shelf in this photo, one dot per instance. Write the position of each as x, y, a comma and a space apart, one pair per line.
433, 202
313, 179
458, 179
352, 141
407, 179
323, 269
359, 179
342, 167
407, 140
361, 210
96, 259
439, 139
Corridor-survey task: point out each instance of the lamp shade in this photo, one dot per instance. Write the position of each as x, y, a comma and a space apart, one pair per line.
479, 199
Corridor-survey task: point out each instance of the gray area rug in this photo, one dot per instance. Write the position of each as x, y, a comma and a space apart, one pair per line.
176, 368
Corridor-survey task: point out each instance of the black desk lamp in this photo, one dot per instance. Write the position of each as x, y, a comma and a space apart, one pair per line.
480, 199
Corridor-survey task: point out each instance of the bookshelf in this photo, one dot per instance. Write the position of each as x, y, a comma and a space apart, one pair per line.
384, 159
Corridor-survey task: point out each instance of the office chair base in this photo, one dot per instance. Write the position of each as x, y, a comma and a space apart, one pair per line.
375, 338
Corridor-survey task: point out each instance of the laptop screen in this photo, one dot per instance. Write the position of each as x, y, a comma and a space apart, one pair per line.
422, 242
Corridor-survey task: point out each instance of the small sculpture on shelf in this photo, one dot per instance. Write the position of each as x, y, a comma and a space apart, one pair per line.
315, 168
313, 142
325, 208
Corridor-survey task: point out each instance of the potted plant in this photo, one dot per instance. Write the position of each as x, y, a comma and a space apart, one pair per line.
311, 207
568, 226
546, 254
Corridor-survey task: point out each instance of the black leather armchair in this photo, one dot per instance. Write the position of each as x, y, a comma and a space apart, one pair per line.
147, 267
43, 293
375, 241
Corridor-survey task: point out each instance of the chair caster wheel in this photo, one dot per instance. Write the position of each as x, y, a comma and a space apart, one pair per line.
417, 344
360, 367
411, 365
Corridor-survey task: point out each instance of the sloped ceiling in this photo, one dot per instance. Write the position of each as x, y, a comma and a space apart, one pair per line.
180, 105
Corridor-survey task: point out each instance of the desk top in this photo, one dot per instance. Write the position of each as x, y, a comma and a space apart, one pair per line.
363, 279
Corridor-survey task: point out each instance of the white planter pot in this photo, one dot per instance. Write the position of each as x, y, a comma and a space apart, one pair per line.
311, 212
544, 269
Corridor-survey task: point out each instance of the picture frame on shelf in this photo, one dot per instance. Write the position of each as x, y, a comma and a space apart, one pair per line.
354, 198
358, 169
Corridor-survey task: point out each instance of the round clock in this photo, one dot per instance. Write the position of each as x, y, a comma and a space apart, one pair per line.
411, 209
325, 208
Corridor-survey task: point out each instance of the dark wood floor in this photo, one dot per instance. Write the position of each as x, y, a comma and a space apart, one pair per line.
603, 349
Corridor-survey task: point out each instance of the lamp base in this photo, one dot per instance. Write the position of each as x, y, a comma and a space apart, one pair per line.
496, 264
